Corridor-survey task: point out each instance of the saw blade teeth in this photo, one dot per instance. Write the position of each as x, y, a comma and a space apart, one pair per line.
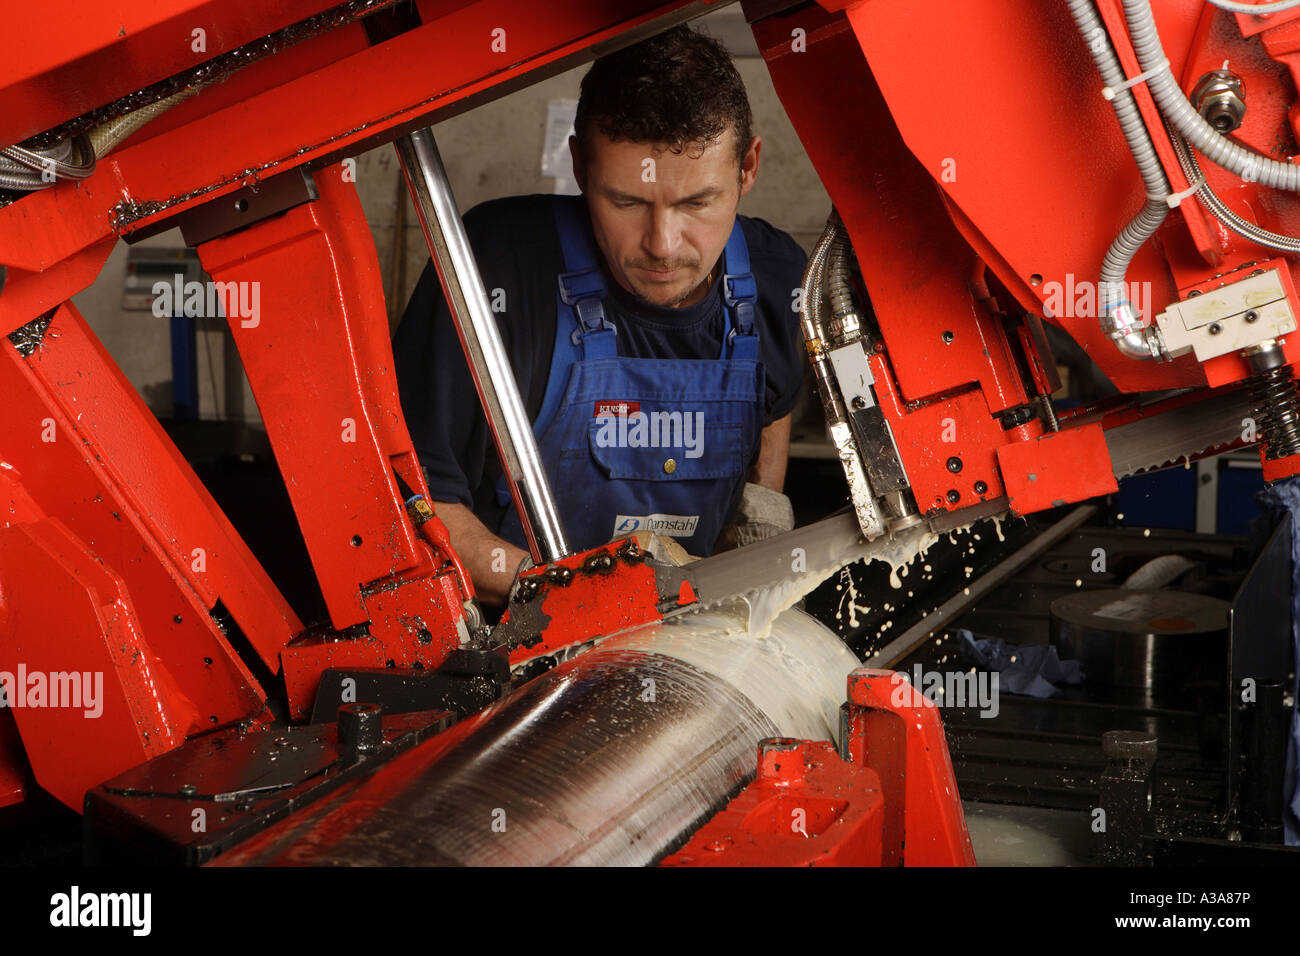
1198, 453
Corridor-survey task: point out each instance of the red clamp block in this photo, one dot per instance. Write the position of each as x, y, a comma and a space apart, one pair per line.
1057, 469
897, 733
1279, 468
584, 596
806, 807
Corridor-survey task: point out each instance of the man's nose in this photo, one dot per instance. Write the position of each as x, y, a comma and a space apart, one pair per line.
662, 236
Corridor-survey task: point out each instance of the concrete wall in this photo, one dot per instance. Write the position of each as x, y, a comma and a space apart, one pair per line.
494, 150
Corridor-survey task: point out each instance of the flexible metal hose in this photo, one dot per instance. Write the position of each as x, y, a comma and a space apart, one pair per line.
814, 330
27, 170
44, 162
837, 276
1256, 9
813, 281
1219, 209
106, 137
1235, 158
1118, 318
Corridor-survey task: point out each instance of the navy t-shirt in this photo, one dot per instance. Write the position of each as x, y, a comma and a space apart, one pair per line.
518, 253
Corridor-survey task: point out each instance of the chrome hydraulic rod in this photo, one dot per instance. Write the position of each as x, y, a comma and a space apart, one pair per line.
488, 362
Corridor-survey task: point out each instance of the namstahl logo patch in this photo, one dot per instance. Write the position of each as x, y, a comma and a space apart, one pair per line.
672, 526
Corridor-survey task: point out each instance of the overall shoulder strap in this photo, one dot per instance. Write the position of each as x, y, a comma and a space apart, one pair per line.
582, 287
581, 329
739, 297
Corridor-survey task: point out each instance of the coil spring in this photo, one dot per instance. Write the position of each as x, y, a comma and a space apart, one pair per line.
1277, 411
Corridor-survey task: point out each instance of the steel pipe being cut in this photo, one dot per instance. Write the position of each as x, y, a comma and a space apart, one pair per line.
613, 758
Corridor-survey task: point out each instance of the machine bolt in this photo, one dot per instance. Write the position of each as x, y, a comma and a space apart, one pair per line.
1251, 316
981, 487
947, 337
559, 575
361, 727
1215, 328
954, 464
781, 761
1220, 97
1015, 417
188, 790
954, 496
859, 402
598, 562
1194, 293
527, 590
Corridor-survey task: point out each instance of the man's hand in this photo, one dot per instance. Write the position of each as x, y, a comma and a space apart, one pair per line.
490, 561
763, 511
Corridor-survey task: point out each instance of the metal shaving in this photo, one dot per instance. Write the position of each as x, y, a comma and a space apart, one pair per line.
27, 338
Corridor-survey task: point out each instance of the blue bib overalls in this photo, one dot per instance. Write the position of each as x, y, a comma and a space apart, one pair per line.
634, 444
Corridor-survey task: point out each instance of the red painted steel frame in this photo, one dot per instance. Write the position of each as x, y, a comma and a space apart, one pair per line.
1023, 173
806, 807
320, 365
113, 556
898, 733
893, 802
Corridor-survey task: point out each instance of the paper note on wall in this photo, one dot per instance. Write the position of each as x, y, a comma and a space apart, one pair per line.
555, 150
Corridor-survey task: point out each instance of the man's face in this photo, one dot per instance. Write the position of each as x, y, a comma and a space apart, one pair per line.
661, 218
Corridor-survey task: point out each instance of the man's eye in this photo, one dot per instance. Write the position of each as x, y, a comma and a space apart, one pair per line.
626, 204
698, 203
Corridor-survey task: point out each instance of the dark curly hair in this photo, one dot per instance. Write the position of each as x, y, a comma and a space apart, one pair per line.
678, 88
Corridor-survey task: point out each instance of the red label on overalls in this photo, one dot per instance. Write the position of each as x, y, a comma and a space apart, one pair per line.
616, 408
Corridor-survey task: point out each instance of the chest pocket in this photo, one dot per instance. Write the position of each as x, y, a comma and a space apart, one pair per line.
690, 420
669, 446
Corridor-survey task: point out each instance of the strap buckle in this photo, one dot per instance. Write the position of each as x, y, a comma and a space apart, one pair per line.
583, 292
739, 292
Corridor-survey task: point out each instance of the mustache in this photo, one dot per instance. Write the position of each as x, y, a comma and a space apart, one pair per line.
663, 265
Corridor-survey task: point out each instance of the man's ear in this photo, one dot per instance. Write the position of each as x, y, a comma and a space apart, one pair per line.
749, 165
579, 169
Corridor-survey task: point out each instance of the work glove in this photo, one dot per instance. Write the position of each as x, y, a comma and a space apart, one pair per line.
762, 514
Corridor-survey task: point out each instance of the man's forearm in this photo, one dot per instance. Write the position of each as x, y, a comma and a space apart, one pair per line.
490, 561
773, 454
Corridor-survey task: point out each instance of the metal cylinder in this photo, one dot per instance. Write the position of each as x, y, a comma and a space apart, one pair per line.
614, 757
488, 362
1157, 642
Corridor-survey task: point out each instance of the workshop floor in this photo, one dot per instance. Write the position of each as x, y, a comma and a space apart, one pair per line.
1007, 835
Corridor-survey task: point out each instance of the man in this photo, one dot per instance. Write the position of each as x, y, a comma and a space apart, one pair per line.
653, 332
